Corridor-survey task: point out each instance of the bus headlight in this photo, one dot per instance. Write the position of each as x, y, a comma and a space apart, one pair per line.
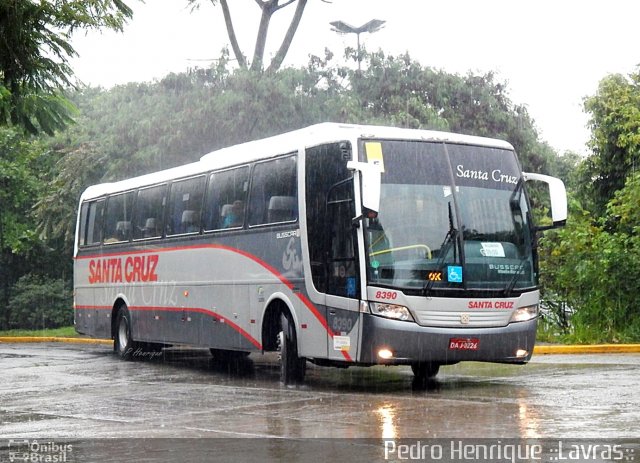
524, 313
397, 312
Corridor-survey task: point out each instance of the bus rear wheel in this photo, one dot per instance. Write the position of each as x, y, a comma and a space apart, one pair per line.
292, 367
123, 343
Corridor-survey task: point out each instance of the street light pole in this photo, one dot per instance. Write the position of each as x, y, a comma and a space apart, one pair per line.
343, 28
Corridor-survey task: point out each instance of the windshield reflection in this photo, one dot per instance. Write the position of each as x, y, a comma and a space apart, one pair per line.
451, 217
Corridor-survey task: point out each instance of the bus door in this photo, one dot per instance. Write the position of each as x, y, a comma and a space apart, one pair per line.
343, 285
329, 194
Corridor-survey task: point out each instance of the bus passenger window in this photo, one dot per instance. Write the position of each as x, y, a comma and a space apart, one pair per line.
117, 222
82, 231
273, 196
185, 203
226, 199
149, 213
94, 222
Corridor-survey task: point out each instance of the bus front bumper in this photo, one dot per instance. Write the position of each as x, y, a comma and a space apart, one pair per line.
408, 342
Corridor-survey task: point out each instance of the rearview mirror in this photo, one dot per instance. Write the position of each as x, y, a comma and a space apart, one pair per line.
371, 178
557, 194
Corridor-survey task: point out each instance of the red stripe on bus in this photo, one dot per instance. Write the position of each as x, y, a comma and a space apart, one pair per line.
215, 315
248, 255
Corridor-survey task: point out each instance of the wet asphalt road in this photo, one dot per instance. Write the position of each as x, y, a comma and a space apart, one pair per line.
75, 391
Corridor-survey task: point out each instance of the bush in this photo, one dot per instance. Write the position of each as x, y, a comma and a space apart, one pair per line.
593, 266
40, 303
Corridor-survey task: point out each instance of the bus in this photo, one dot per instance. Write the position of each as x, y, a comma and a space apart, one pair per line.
335, 244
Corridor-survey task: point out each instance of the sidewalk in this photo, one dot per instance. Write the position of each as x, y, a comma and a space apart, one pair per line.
20, 339
543, 349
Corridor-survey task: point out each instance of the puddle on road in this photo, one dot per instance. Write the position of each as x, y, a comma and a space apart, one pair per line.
7, 417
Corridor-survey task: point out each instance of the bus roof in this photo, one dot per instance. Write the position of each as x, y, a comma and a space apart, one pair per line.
288, 142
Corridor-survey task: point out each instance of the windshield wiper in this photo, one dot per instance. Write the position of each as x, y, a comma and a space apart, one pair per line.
512, 284
450, 238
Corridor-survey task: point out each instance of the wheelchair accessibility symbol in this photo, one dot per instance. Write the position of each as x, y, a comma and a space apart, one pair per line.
454, 274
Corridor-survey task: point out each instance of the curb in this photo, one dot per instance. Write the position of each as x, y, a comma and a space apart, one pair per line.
587, 349
21, 339
543, 349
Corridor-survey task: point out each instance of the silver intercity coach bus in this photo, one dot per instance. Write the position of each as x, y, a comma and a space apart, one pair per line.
336, 244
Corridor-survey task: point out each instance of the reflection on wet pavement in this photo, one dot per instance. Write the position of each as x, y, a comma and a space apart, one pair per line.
76, 391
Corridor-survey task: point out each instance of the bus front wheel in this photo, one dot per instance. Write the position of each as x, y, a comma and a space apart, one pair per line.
292, 367
123, 343
425, 371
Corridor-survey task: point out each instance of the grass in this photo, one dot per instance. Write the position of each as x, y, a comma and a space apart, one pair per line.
579, 333
65, 332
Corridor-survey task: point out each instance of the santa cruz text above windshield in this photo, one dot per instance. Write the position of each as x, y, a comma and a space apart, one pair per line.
496, 175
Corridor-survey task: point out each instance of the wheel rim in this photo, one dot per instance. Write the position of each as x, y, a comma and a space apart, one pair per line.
280, 342
123, 333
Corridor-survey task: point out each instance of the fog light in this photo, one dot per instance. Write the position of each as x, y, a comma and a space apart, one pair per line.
521, 353
385, 354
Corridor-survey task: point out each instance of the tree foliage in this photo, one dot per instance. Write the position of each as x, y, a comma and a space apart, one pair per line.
34, 57
19, 186
40, 303
615, 137
400, 91
593, 266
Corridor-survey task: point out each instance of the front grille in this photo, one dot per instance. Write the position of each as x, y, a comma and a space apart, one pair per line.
453, 318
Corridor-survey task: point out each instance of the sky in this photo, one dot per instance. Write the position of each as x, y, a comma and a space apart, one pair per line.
551, 53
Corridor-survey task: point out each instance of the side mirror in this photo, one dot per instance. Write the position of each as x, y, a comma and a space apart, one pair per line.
371, 178
557, 194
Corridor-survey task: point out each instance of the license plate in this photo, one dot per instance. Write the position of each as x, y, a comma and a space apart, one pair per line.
464, 343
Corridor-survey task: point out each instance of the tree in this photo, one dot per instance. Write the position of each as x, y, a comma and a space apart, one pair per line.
593, 265
268, 8
176, 120
34, 56
400, 91
615, 137
18, 190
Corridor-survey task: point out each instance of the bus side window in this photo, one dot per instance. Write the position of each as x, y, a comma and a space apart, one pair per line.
117, 223
226, 199
149, 214
273, 197
94, 222
82, 230
185, 204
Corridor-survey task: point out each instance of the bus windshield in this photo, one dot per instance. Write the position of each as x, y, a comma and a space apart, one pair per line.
451, 217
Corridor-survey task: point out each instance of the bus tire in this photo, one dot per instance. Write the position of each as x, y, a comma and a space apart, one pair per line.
425, 371
123, 343
292, 367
